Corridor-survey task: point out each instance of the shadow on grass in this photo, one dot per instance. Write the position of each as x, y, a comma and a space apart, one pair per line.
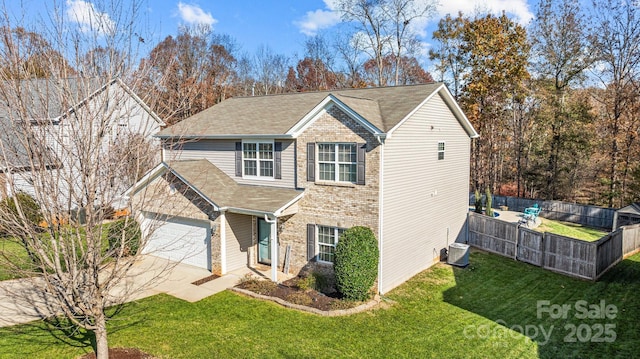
550, 308
30, 339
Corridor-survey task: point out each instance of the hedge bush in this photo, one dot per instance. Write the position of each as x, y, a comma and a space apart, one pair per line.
29, 206
132, 234
356, 263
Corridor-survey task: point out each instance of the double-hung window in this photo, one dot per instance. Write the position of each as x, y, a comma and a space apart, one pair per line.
327, 240
337, 162
257, 159
441, 150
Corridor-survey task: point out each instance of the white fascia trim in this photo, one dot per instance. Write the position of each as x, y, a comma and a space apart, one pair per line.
279, 211
194, 188
136, 98
146, 178
380, 217
313, 115
226, 137
248, 212
449, 100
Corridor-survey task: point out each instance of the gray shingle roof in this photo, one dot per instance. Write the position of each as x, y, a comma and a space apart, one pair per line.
383, 107
633, 208
44, 98
222, 190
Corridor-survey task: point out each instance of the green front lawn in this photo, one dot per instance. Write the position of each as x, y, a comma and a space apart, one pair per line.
572, 230
443, 312
11, 252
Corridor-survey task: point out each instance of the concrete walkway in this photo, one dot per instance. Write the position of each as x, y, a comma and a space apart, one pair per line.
20, 303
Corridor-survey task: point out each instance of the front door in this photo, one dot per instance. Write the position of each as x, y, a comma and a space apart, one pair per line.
264, 241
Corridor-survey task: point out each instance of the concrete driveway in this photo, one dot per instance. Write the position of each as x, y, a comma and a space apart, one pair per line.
20, 303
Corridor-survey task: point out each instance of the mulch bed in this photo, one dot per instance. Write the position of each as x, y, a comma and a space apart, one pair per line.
121, 353
205, 279
289, 292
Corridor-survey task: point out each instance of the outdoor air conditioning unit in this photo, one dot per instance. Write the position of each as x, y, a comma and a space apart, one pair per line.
458, 254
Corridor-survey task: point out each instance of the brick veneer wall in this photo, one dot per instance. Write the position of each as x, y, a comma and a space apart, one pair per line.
337, 205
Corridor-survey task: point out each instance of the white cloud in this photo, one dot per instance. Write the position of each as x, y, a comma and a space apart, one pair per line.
317, 20
313, 21
518, 9
85, 14
193, 14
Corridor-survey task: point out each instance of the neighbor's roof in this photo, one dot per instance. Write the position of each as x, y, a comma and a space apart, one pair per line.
44, 98
276, 115
222, 191
633, 208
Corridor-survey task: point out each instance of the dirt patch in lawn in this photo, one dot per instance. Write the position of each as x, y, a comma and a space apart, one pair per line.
121, 353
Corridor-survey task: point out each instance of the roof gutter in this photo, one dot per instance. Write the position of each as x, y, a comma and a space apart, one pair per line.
222, 137
248, 212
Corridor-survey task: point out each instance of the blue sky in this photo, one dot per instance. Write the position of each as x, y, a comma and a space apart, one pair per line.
282, 25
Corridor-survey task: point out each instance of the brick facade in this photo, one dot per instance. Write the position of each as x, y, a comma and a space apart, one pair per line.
331, 204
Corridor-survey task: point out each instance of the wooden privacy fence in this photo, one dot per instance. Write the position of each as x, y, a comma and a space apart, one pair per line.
570, 256
592, 216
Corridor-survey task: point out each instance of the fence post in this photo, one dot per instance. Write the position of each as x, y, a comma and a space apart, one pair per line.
595, 260
543, 253
517, 244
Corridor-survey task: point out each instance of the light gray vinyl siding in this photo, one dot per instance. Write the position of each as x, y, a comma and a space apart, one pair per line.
238, 240
22, 182
222, 154
425, 200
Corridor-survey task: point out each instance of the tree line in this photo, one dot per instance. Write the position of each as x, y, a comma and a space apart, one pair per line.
555, 102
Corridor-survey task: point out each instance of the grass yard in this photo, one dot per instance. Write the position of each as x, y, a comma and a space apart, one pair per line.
572, 230
11, 251
444, 312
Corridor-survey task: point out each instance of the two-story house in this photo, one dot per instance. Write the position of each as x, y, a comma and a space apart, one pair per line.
52, 124
274, 180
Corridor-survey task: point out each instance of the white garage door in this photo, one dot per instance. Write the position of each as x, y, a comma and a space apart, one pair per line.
178, 239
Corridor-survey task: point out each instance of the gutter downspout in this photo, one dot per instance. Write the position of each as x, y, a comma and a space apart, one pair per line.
380, 212
274, 246
223, 243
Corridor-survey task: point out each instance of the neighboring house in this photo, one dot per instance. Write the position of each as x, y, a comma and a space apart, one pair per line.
275, 179
60, 115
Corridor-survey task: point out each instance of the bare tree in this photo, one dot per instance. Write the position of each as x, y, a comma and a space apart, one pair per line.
349, 48
65, 144
388, 27
270, 70
406, 16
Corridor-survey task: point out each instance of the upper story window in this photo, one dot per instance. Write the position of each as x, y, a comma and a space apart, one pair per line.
257, 159
441, 150
337, 162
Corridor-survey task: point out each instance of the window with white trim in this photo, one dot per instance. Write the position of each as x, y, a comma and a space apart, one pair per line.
337, 162
441, 150
257, 159
327, 240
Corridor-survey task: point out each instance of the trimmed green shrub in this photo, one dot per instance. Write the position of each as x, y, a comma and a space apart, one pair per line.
356, 263
478, 202
29, 206
489, 210
132, 236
